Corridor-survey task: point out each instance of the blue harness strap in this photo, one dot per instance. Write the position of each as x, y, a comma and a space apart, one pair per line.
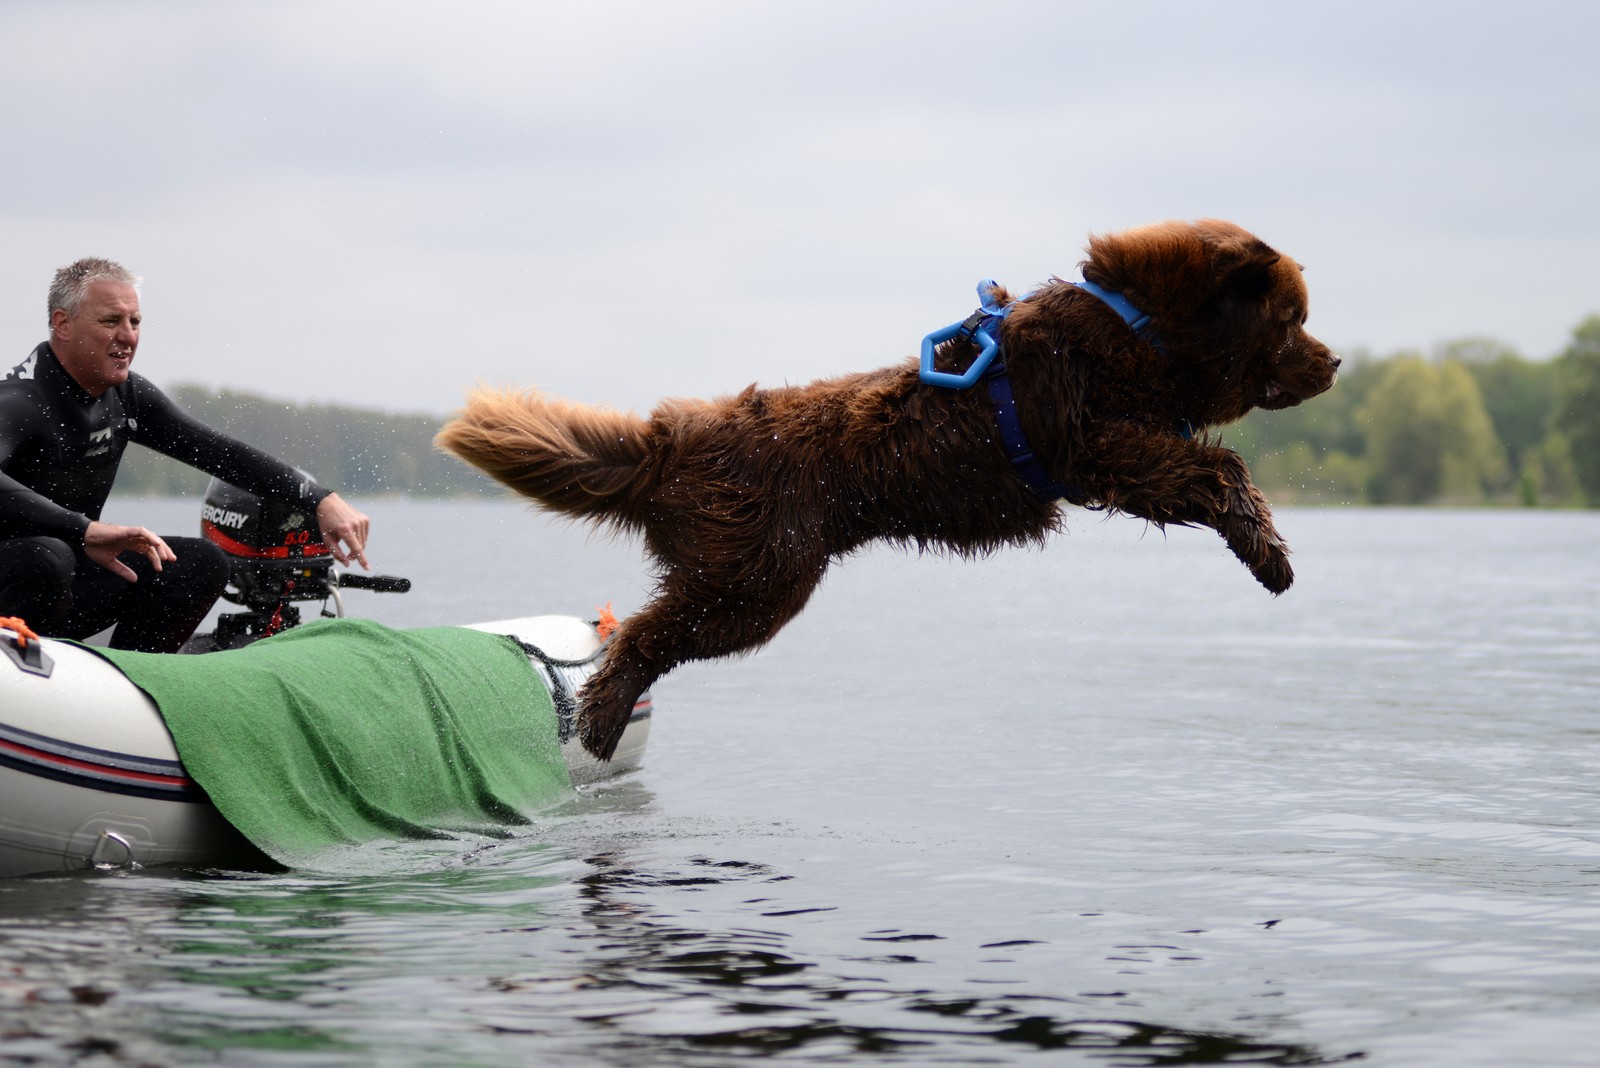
983, 328
1018, 451
1138, 321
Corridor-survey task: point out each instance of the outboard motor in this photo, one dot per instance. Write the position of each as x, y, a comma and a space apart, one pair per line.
275, 557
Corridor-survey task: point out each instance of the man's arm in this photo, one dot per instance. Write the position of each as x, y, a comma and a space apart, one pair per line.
168, 429
24, 511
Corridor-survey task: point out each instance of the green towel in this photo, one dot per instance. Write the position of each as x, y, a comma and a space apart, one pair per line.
345, 731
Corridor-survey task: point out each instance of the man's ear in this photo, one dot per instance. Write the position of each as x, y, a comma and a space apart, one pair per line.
59, 321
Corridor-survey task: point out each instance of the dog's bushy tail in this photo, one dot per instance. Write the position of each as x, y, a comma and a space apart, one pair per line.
582, 461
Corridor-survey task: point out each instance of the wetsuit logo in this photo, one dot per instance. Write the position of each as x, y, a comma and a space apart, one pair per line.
24, 370
99, 442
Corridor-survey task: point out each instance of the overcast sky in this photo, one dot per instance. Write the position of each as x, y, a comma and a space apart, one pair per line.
379, 203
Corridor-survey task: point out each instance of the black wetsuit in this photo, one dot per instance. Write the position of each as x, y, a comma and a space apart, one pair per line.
59, 451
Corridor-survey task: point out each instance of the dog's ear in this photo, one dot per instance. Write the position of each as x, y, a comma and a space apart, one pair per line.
1250, 276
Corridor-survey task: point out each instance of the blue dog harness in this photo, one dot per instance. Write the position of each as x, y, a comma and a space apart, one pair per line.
982, 327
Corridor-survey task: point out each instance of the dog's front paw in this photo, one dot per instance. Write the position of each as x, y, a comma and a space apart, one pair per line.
1264, 553
1273, 570
1246, 523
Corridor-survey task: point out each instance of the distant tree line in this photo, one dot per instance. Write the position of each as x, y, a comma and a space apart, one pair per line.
1475, 424
358, 451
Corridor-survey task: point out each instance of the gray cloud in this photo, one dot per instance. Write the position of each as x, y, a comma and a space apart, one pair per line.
379, 203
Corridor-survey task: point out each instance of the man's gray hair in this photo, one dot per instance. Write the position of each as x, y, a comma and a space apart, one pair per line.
72, 282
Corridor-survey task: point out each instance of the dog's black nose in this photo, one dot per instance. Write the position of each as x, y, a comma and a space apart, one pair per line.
1335, 359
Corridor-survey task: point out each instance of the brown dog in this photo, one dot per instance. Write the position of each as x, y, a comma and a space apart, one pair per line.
743, 501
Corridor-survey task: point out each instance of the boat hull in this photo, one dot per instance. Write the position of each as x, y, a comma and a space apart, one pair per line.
90, 777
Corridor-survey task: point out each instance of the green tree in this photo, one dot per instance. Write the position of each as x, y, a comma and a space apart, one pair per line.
1578, 405
1313, 451
1429, 434
1520, 395
356, 451
1548, 476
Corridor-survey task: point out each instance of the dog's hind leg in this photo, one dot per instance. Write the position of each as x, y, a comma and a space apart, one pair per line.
606, 702
697, 619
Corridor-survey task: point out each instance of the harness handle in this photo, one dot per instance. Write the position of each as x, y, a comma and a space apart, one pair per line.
987, 348
982, 326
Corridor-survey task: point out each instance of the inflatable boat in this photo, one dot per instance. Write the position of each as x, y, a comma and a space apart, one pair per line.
90, 773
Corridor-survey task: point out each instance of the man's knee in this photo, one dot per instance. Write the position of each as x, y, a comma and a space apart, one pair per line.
210, 564
200, 570
42, 559
164, 607
35, 578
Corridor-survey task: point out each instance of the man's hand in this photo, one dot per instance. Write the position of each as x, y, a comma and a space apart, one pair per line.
103, 543
344, 530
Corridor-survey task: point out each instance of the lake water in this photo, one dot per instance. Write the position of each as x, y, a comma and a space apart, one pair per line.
1105, 804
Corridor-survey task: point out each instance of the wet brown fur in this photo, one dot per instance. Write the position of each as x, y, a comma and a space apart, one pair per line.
743, 501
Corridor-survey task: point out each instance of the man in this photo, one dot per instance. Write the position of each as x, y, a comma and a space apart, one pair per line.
66, 414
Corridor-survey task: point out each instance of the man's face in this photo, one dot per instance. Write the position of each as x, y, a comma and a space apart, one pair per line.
96, 345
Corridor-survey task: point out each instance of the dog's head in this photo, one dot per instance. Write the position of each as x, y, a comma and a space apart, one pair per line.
1229, 309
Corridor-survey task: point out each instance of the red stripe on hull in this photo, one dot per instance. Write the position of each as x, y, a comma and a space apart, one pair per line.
57, 760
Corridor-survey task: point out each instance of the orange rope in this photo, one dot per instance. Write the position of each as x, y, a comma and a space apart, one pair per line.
23, 631
607, 624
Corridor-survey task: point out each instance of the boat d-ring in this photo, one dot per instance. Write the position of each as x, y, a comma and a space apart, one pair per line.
28, 655
105, 853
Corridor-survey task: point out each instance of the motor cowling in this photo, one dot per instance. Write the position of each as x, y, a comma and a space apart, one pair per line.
251, 528
276, 557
